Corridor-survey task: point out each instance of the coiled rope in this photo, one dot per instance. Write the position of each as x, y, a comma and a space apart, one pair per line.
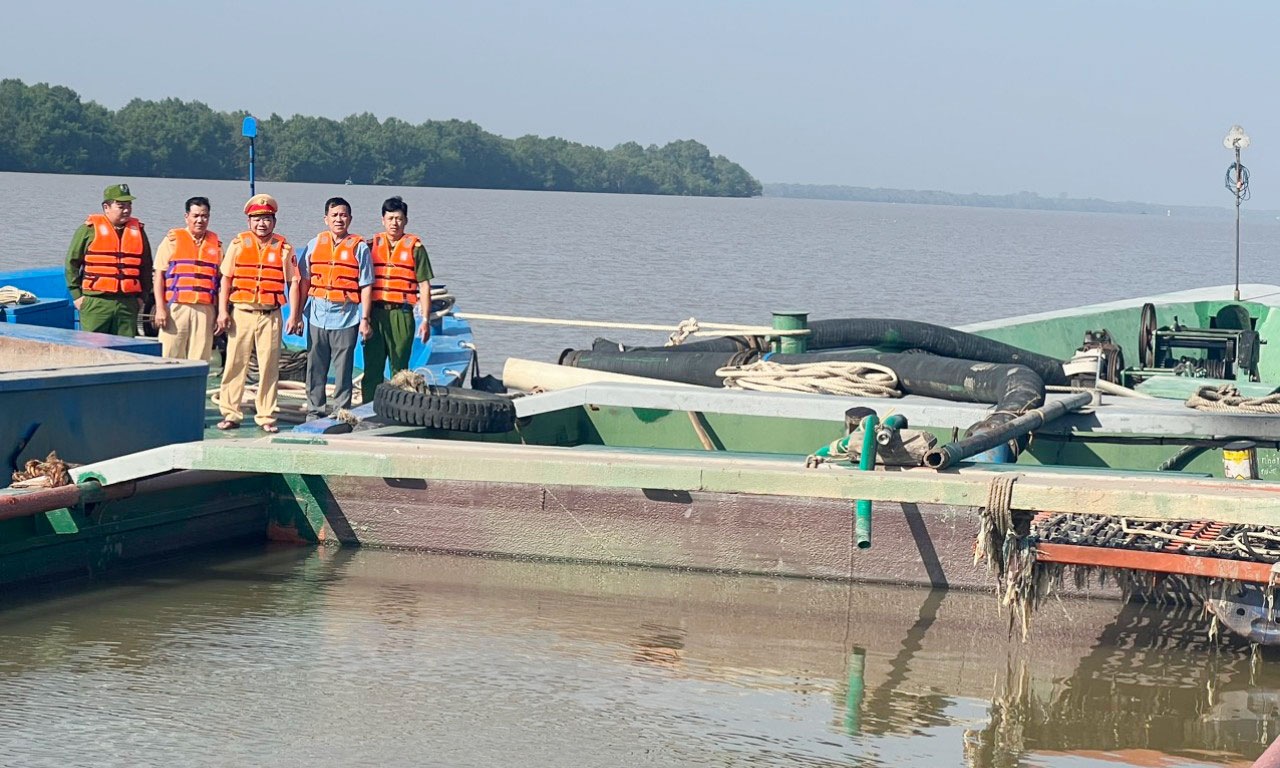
1227, 399
833, 378
291, 398
13, 295
49, 473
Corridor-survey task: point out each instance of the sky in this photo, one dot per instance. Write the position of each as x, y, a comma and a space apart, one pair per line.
1117, 100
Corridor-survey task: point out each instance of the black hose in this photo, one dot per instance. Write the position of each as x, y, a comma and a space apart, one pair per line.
659, 363
892, 334
1016, 429
1013, 389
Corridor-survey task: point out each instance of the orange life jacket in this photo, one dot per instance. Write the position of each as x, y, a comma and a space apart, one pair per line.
258, 276
335, 273
192, 275
395, 278
113, 262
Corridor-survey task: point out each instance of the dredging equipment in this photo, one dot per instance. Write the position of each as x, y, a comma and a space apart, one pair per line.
1021, 426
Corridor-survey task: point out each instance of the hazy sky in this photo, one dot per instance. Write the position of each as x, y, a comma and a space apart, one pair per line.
1107, 99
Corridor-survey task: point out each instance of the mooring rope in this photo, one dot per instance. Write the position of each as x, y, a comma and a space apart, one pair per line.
704, 328
1227, 399
995, 521
1011, 558
291, 398
833, 378
684, 330
10, 294
52, 469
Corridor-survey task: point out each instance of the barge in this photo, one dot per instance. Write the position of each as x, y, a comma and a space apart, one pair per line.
679, 475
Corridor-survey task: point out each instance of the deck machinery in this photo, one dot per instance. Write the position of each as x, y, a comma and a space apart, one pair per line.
1241, 560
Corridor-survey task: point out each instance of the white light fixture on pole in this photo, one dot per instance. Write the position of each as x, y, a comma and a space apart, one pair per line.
1237, 139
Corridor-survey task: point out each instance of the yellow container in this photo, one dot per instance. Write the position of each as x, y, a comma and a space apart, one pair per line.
1240, 460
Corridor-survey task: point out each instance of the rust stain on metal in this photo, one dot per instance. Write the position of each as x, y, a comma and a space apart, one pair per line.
285, 533
1158, 562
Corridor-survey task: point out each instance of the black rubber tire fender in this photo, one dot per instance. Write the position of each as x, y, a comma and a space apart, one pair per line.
452, 408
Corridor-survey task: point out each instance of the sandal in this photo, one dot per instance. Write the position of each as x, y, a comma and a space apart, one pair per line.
270, 429
226, 424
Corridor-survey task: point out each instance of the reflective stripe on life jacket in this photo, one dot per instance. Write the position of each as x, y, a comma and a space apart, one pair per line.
335, 273
113, 262
258, 276
395, 277
192, 274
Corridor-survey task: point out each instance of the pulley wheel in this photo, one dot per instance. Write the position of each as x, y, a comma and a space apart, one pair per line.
1147, 336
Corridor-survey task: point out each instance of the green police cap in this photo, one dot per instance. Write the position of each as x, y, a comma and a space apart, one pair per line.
119, 192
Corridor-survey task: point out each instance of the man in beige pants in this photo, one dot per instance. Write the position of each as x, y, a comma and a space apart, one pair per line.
258, 277
186, 285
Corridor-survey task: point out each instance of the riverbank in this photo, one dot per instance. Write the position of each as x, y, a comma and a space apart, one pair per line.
1015, 201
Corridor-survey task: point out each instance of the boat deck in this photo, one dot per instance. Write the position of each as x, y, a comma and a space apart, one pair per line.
1113, 415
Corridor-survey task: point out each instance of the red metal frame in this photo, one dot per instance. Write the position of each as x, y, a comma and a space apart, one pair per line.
1158, 562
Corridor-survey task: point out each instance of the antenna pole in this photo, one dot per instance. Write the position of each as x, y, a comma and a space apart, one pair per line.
1239, 194
1237, 140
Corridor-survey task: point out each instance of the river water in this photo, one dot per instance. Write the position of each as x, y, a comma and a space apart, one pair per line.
296, 657
299, 658
662, 259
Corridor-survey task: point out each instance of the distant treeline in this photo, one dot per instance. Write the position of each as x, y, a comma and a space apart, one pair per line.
48, 129
1027, 200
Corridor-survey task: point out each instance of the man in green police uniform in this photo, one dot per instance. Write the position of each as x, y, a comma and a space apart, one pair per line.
109, 266
401, 280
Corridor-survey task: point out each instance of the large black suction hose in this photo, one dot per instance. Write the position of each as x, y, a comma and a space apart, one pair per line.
1013, 389
894, 334
659, 363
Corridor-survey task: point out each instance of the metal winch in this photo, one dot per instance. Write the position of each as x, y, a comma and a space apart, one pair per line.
1227, 349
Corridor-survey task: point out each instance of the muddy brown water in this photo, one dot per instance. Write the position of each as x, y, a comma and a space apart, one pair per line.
347, 657
296, 657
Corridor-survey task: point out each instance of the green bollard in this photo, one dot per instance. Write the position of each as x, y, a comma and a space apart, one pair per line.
790, 321
866, 463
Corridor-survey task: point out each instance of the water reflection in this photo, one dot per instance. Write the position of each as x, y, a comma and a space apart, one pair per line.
402, 659
1152, 684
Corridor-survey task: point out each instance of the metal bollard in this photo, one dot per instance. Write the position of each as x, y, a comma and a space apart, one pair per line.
791, 321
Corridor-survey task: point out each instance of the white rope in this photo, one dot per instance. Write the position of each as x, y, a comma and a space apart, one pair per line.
684, 330
291, 398
704, 328
1229, 400
833, 378
13, 295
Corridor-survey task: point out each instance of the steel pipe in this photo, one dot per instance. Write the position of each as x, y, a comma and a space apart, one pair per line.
949, 454
13, 504
17, 502
866, 463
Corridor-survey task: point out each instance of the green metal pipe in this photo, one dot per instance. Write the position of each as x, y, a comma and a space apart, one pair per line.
840, 446
853, 699
889, 427
866, 463
791, 321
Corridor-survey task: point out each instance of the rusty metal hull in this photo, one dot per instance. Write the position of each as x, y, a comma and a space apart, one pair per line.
915, 544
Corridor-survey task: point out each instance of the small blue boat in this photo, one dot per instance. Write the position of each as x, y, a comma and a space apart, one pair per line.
93, 396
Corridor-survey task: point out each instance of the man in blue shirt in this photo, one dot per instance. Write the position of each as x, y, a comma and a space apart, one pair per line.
337, 278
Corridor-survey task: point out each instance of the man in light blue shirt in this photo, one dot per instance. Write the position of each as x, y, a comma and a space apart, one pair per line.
337, 278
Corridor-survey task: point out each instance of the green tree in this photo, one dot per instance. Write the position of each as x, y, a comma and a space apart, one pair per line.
49, 129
